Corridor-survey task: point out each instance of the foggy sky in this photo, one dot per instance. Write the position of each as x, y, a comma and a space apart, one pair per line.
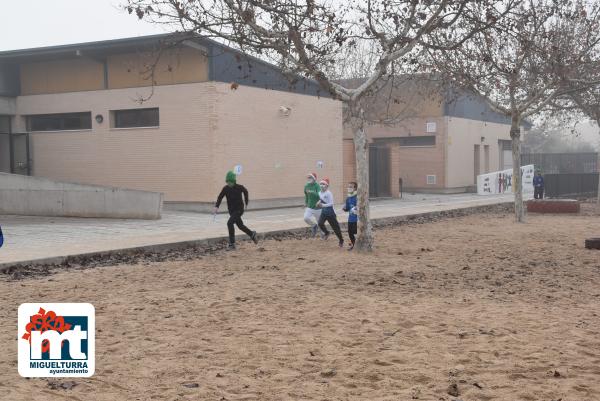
35, 23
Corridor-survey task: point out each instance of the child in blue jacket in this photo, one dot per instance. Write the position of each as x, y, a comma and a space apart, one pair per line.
350, 207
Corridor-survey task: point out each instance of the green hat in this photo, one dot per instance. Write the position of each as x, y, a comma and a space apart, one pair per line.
230, 177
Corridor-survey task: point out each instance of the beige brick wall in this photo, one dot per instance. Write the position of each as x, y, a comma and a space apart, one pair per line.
173, 66
58, 76
173, 159
452, 160
205, 130
463, 135
415, 164
412, 164
277, 151
349, 161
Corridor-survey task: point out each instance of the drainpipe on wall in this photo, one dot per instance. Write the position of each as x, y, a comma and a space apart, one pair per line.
105, 72
11, 155
29, 160
211, 66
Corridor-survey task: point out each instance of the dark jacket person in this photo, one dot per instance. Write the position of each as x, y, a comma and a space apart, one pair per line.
538, 186
235, 205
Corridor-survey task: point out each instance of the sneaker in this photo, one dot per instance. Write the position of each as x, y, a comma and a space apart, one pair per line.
231, 247
341, 244
313, 231
254, 237
325, 236
351, 247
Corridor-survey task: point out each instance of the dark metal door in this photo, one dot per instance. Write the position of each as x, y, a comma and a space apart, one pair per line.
379, 171
14, 149
4, 144
20, 153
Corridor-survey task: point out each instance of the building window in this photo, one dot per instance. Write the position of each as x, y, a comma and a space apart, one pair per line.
505, 144
431, 126
417, 141
59, 122
136, 118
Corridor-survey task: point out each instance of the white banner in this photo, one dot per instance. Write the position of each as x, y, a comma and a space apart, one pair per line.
500, 182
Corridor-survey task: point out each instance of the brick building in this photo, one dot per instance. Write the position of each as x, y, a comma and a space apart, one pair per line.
96, 113
434, 139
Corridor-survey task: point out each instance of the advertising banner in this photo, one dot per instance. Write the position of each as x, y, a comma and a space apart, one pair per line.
500, 182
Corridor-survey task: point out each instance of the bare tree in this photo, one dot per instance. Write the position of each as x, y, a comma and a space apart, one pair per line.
582, 85
523, 63
562, 138
311, 38
588, 103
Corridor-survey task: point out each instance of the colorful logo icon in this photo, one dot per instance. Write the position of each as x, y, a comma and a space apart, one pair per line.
56, 340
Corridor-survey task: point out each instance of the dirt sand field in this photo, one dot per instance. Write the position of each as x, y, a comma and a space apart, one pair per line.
471, 308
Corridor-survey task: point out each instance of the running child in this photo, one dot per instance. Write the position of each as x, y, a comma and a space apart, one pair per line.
311, 197
235, 205
327, 213
350, 207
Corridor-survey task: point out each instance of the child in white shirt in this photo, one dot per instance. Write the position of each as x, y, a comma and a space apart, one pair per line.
327, 212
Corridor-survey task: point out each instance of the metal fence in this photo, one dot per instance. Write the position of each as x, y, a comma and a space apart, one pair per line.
571, 185
558, 163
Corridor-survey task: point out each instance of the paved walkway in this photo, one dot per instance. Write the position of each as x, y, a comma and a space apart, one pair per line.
28, 238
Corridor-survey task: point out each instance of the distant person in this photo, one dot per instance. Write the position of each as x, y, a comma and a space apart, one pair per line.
327, 213
350, 207
235, 205
311, 196
538, 186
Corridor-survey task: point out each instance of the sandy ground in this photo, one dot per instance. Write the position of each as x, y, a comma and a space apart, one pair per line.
481, 305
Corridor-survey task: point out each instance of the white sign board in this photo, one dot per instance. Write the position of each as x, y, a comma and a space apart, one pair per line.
237, 169
500, 182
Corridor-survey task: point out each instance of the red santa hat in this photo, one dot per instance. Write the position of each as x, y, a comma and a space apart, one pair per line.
325, 181
312, 175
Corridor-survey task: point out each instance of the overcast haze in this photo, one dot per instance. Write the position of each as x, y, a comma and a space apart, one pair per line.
34, 23
589, 132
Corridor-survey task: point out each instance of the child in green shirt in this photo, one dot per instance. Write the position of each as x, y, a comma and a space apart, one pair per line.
311, 196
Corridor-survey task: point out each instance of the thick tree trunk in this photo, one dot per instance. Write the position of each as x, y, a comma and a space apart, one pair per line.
598, 168
596, 118
364, 242
515, 135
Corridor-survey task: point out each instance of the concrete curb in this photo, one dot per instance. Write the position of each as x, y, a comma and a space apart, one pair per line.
218, 243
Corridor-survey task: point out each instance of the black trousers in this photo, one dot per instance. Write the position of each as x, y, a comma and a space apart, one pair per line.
236, 218
332, 220
538, 192
352, 230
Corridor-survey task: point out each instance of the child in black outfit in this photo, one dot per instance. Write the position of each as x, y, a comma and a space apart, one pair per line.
235, 205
